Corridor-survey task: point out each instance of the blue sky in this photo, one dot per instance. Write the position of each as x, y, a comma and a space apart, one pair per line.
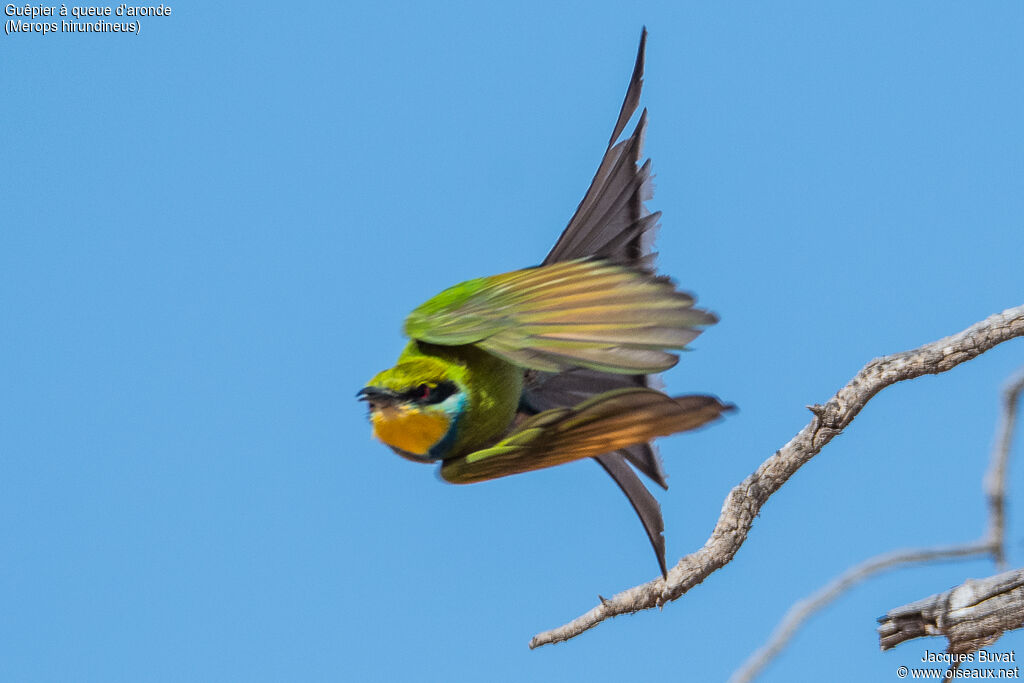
212, 232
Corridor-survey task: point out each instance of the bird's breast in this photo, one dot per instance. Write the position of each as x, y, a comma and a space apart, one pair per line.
410, 429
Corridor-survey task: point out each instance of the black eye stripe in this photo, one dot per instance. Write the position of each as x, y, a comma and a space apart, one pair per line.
427, 394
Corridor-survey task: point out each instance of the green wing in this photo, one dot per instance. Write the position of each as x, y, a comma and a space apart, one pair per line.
582, 313
605, 423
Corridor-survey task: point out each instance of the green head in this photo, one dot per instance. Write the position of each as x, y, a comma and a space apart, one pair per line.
441, 401
415, 407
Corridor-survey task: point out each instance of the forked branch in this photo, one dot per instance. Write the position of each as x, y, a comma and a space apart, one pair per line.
745, 500
992, 542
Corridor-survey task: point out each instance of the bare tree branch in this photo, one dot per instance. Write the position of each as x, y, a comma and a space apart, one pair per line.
972, 615
804, 609
744, 501
976, 613
995, 480
993, 542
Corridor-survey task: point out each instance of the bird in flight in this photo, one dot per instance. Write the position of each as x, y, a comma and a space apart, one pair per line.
546, 365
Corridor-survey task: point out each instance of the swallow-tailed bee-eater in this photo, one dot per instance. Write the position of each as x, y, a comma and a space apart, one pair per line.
550, 364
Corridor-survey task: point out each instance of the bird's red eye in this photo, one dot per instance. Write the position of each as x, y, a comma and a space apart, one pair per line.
424, 391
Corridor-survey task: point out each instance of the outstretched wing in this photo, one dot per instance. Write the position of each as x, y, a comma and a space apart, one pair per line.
602, 424
582, 313
544, 391
612, 222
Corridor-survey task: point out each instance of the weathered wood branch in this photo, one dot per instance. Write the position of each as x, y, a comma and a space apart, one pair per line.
971, 616
993, 543
976, 613
745, 500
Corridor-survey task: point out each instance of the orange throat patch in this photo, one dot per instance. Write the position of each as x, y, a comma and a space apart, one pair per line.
409, 429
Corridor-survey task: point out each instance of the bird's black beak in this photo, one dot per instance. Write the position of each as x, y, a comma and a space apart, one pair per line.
376, 396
